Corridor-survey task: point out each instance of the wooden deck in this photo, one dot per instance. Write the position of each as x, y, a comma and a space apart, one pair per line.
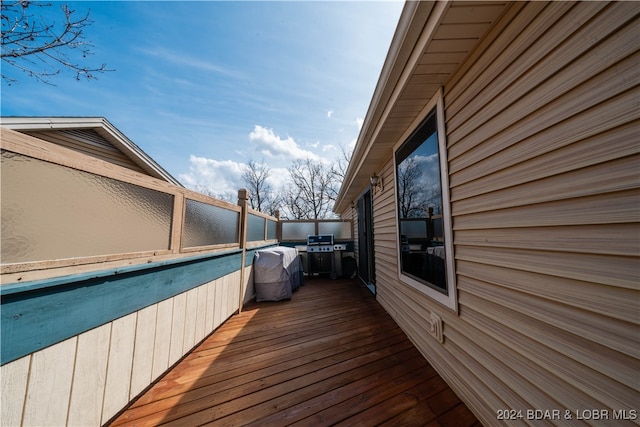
330, 356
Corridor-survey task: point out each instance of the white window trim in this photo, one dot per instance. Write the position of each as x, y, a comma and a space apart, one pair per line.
450, 300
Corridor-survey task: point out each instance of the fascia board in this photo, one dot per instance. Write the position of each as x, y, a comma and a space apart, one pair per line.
136, 154
417, 24
42, 123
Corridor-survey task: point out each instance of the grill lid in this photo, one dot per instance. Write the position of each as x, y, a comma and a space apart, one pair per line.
320, 239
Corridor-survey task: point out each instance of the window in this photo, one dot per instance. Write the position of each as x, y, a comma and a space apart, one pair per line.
425, 242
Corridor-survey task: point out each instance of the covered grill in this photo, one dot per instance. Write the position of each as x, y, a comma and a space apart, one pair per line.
277, 273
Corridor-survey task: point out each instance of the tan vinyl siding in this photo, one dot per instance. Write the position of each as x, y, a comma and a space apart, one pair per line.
352, 214
384, 225
87, 141
542, 135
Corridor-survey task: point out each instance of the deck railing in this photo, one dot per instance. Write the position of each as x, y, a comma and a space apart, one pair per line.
108, 278
61, 208
297, 230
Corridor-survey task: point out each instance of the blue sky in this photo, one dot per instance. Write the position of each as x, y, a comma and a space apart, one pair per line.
205, 86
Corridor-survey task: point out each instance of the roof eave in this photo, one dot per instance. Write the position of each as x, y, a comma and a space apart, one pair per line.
416, 69
102, 126
410, 27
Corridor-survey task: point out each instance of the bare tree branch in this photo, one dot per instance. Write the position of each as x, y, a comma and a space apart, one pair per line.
312, 185
411, 195
261, 195
42, 50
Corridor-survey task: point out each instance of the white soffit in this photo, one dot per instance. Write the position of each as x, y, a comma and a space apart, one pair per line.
431, 43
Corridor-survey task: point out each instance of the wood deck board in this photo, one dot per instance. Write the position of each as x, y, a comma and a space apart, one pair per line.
228, 378
329, 356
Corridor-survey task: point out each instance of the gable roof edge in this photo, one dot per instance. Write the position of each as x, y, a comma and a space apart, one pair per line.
414, 22
107, 130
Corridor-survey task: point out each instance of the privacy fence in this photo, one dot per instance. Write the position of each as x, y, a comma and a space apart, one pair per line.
109, 277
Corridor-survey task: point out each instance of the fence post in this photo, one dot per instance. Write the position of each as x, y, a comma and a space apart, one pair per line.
243, 202
177, 226
278, 226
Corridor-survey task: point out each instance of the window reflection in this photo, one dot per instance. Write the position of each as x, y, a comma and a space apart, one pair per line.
420, 207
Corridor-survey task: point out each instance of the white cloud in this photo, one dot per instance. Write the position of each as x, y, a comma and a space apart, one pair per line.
220, 178
329, 114
329, 147
359, 122
430, 169
278, 178
223, 178
185, 60
271, 145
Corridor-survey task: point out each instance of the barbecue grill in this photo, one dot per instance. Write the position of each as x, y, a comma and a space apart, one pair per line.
320, 243
320, 257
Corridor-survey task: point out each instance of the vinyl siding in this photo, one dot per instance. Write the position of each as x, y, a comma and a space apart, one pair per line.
89, 142
543, 149
352, 214
384, 226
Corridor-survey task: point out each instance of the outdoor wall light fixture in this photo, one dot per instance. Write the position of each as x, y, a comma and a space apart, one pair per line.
376, 181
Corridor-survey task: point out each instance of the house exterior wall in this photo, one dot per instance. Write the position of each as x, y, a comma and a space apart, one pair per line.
352, 215
543, 152
99, 371
89, 142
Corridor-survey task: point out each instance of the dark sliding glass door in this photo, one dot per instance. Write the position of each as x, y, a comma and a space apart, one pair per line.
366, 266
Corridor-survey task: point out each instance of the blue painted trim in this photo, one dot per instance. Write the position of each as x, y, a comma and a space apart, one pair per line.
293, 244
38, 314
38, 284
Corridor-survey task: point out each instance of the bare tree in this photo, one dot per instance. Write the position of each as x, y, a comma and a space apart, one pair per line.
342, 163
227, 196
309, 195
261, 195
338, 171
411, 195
294, 207
43, 49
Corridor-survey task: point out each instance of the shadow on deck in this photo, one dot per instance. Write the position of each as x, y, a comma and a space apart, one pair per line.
330, 356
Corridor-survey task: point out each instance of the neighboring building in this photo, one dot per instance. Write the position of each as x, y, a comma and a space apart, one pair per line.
502, 233
93, 136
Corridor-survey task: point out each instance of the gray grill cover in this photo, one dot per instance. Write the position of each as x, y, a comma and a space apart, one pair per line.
277, 272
